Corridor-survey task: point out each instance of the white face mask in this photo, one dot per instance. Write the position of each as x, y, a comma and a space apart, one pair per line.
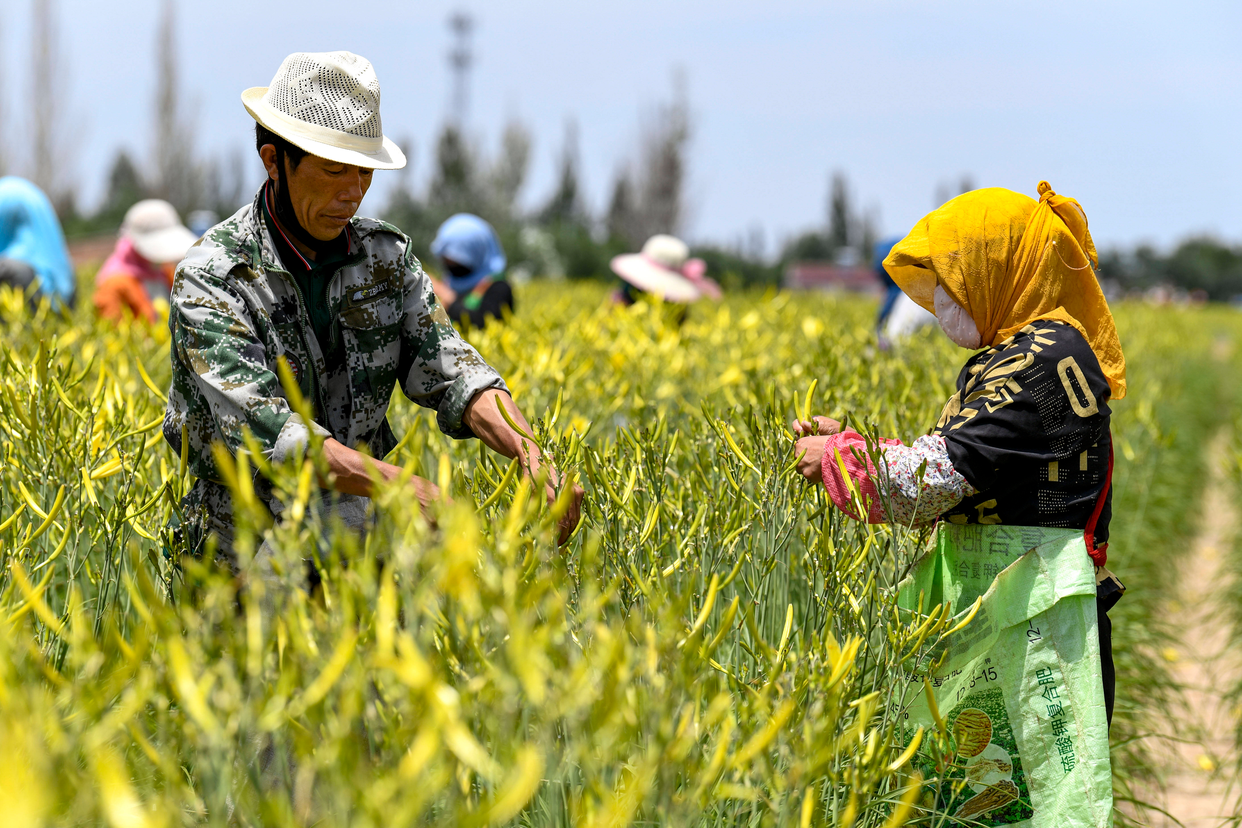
955, 321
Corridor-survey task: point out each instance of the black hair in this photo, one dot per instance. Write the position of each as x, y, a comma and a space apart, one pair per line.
283, 206
284, 149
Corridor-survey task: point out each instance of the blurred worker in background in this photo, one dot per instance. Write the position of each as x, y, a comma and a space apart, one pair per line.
1025, 441
663, 271
900, 316
298, 278
140, 270
474, 287
891, 291
33, 255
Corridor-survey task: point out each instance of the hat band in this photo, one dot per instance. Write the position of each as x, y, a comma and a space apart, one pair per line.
323, 135
671, 268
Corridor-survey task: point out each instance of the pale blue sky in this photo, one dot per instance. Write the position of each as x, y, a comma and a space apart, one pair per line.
1134, 108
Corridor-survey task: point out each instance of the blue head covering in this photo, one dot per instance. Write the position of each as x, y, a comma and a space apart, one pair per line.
30, 232
470, 242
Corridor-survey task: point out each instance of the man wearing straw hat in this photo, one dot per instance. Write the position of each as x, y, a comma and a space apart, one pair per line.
296, 275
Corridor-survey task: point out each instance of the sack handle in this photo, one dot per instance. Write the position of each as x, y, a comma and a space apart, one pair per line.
1099, 554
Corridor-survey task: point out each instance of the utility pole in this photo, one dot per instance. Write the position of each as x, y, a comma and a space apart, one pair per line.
461, 60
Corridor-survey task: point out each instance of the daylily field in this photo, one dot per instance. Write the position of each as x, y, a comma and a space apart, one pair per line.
716, 645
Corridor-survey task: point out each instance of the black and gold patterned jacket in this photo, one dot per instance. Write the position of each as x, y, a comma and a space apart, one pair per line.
1029, 429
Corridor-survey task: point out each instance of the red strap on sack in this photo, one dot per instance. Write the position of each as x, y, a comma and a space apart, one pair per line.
1099, 554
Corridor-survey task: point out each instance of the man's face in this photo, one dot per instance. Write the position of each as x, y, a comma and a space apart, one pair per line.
325, 195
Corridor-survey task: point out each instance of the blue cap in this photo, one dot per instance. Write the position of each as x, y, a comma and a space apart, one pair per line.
470, 242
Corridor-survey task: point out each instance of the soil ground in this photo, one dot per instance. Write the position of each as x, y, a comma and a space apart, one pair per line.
1198, 793
90, 252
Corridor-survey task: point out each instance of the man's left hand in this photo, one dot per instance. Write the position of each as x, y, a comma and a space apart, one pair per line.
490, 426
569, 521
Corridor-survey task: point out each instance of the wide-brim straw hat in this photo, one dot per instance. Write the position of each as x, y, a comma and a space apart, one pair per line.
327, 103
157, 232
657, 269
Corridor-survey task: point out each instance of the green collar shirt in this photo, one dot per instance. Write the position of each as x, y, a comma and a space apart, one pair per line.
312, 279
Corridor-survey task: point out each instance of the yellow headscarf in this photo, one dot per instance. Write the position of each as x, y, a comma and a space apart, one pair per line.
1009, 260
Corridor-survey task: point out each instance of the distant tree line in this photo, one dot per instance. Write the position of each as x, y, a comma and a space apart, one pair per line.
1198, 264
50, 144
557, 237
176, 173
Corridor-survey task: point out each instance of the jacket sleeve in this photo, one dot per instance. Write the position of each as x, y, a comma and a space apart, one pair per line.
848, 449
438, 368
215, 342
920, 480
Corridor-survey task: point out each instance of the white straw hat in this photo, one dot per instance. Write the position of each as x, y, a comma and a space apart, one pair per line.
157, 232
658, 269
327, 103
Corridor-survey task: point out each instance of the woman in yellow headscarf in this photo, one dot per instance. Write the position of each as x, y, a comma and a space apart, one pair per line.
1025, 439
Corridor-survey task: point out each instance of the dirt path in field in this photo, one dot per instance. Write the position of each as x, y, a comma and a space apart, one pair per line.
1205, 663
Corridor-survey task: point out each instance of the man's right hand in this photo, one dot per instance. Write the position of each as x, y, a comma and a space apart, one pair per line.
822, 426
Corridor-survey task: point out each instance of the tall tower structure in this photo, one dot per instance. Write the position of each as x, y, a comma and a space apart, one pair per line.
461, 60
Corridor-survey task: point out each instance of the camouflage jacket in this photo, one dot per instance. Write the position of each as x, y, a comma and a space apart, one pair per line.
235, 309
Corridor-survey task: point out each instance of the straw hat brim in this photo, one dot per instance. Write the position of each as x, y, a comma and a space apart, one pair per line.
648, 276
167, 245
331, 144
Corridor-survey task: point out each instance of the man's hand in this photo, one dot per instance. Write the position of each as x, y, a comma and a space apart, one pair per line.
823, 426
428, 495
489, 425
573, 514
351, 473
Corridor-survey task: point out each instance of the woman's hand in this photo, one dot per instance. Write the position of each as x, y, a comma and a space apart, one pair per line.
443, 292
810, 452
814, 435
823, 426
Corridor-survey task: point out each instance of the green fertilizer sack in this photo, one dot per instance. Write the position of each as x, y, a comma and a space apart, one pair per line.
1020, 689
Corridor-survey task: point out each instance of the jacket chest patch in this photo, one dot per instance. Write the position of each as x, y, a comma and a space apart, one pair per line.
363, 294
